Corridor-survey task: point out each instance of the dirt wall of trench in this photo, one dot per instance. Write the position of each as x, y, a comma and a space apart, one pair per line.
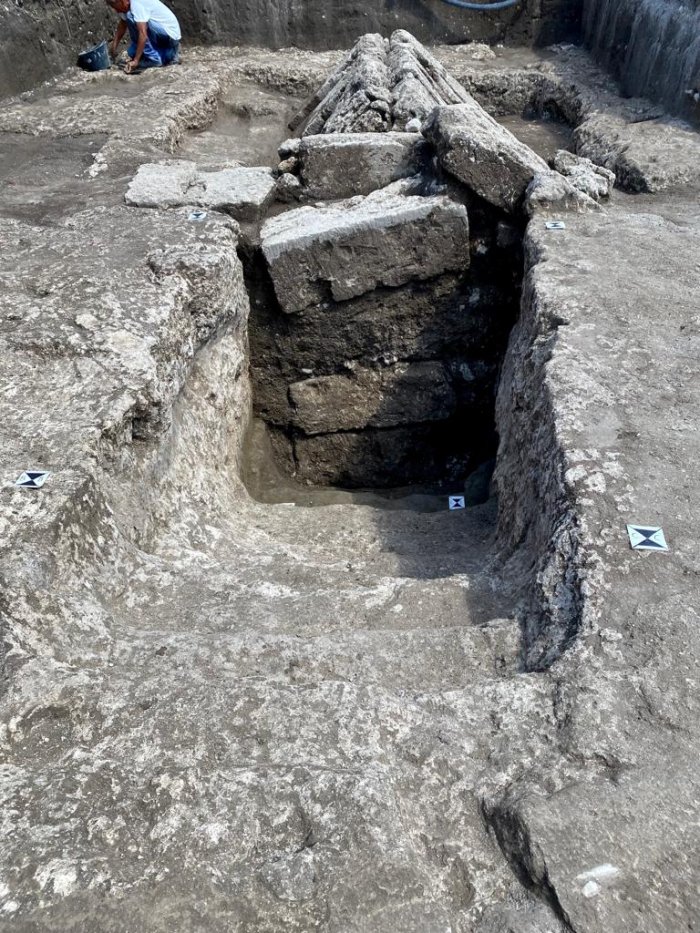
40, 39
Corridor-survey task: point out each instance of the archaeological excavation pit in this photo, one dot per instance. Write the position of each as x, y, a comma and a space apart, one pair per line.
449, 294
392, 383
381, 308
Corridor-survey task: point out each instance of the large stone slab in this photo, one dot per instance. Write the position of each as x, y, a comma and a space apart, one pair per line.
381, 85
341, 165
418, 81
244, 193
400, 394
348, 248
482, 154
356, 97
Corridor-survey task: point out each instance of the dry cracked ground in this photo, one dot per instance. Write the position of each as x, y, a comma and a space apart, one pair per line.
315, 709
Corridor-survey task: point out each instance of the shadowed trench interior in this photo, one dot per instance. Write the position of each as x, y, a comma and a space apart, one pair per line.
393, 390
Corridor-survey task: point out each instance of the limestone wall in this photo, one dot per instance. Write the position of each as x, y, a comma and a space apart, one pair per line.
652, 47
39, 40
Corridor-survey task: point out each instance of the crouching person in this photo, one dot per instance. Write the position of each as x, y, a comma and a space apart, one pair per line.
154, 32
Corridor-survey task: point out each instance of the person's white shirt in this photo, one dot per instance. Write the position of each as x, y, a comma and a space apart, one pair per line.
153, 11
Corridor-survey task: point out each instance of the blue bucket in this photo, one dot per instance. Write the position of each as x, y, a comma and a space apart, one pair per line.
96, 58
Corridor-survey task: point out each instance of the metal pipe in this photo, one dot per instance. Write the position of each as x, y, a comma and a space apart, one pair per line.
497, 5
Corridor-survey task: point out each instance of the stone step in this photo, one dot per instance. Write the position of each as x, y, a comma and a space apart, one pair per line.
448, 658
303, 599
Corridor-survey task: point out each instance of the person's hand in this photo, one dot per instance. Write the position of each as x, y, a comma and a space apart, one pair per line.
130, 67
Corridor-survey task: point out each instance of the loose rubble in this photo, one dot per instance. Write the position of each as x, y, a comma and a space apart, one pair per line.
591, 179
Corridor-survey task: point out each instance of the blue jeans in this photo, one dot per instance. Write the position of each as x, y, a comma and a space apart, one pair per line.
160, 49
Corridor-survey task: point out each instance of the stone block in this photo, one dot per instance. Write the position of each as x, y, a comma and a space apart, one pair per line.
380, 398
356, 97
341, 165
591, 179
244, 193
419, 81
381, 85
384, 457
161, 184
482, 154
345, 249
550, 191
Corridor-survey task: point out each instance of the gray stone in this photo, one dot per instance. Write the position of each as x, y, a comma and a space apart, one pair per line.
356, 98
550, 191
418, 81
593, 180
380, 398
374, 458
244, 193
340, 165
652, 155
444, 318
288, 188
345, 249
290, 165
161, 184
289, 148
383, 84
482, 154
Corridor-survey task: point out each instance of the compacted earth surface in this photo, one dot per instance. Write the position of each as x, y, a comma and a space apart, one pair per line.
256, 674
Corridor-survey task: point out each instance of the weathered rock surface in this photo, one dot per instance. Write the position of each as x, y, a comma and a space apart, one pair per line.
418, 81
591, 179
288, 188
244, 193
482, 154
350, 247
651, 156
219, 714
550, 191
341, 165
378, 398
356, 98
593, 453
383, 84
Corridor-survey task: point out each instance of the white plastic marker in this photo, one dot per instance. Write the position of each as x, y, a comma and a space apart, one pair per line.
197, 216
32, 479
646, 538
456, 502
554, 225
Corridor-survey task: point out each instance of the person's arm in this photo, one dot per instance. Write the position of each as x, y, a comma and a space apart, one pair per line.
118, 36
140, 46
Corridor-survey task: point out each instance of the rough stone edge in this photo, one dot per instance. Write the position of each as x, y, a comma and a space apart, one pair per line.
539, 526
